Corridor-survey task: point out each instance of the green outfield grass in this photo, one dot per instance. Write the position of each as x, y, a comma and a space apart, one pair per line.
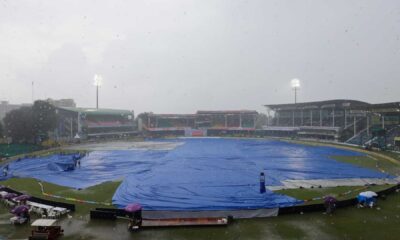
373, 162
309, 193
99, 193
347, 223
104, 191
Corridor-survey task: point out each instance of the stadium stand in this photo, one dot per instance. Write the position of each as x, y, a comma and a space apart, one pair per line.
86, 123
359, 139
347, 121
202, 123
392, 134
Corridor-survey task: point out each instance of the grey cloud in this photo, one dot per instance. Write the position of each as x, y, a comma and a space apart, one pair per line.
181, 56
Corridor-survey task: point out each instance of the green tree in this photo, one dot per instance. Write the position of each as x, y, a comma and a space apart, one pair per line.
1, 130
44, 119
18, 125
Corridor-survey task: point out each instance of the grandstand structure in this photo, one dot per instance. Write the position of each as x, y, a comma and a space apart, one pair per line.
202, 123
86, 123
350, 121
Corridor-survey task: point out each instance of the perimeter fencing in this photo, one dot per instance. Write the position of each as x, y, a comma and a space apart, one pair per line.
9, 150
68, 206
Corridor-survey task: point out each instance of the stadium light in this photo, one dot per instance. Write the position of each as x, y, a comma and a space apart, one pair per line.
295, 85
98, 81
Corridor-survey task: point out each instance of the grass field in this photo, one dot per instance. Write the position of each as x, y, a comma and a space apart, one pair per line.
347, 223
99, 193
104, 192
309, 193
372, 162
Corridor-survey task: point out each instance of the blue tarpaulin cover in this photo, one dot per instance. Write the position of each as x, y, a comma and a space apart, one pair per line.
201, 174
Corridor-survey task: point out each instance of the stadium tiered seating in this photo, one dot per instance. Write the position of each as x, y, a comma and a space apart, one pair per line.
392, 134
328, 133
360, 139
107, 124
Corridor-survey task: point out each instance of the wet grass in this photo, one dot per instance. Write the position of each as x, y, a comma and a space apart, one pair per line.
337, 192
99, 193
289, 231
372, 162
394, 155
346, 223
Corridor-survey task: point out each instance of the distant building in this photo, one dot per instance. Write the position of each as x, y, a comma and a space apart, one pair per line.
87, 123
201, 123
62, 102
6, 107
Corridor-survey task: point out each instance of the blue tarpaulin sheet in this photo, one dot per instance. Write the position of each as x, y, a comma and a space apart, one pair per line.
201, 174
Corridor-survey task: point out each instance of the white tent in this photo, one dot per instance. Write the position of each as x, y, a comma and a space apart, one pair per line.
368, 194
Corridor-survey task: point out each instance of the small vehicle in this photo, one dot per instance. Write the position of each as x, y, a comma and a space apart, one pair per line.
46, 229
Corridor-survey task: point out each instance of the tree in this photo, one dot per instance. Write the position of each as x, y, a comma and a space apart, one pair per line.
44, 119
1, 130
18, 125
31, 124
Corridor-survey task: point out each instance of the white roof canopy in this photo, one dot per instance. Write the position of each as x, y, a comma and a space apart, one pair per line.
43, 222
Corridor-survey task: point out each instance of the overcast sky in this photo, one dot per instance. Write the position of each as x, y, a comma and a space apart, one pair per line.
181, 56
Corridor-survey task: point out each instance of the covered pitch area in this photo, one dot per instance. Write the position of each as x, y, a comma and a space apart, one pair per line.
199, 174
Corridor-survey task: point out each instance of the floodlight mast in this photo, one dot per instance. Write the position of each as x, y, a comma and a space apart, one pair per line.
295, 85
97, 82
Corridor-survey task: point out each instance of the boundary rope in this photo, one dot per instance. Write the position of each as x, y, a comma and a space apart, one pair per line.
70, 198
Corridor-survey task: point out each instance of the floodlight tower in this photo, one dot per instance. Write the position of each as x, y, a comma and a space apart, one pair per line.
295, 86
97, 82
